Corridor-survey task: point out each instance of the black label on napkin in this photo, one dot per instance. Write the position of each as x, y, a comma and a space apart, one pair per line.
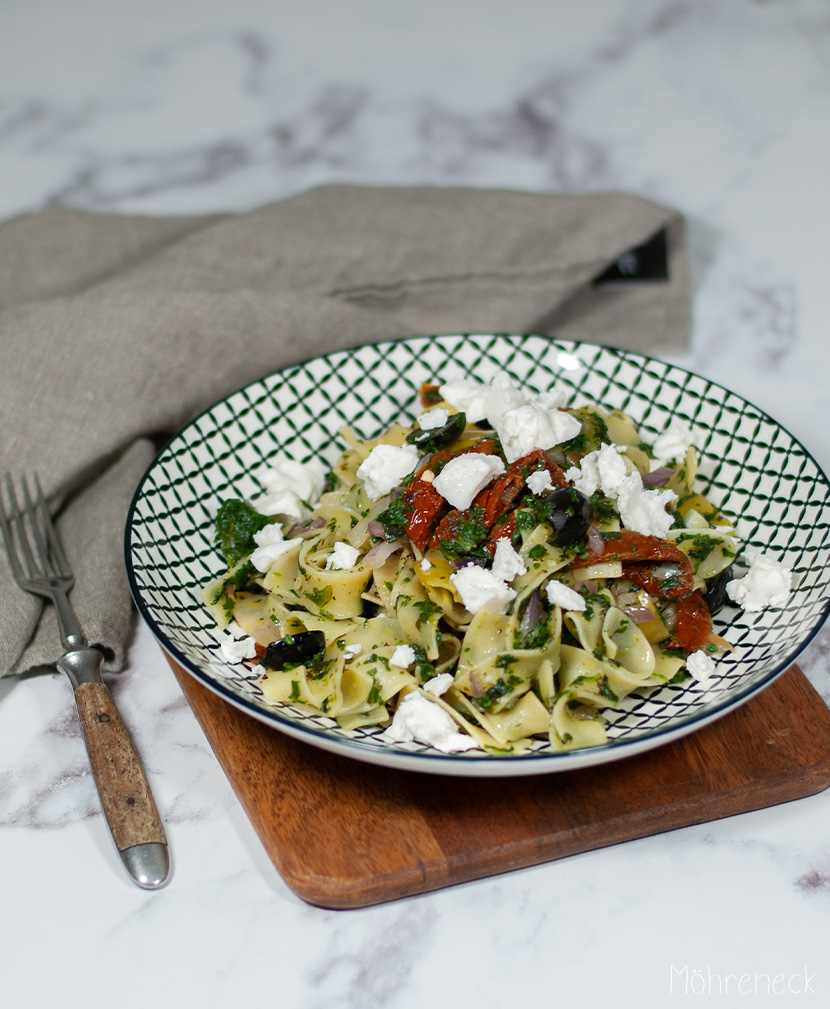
645, 263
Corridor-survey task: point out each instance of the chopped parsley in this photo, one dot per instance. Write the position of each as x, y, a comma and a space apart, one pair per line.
236, 525
467, 535
233, 584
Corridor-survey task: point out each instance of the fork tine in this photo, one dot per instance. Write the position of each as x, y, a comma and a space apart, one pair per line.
40, 547
22, 537
58, 557
8, 538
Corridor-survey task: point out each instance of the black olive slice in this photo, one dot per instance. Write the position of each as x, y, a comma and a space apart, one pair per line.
716, 590
294, 650
570, 512
431, 440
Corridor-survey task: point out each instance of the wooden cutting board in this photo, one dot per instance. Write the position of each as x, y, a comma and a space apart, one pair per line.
344, 834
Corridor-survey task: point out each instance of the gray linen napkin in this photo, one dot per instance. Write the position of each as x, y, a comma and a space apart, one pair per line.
116, 330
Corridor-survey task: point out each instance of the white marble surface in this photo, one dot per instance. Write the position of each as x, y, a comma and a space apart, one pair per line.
720, 107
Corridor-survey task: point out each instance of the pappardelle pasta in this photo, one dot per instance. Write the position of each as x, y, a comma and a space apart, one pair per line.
501, 571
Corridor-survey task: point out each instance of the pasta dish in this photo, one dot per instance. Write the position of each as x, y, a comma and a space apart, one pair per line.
501, 571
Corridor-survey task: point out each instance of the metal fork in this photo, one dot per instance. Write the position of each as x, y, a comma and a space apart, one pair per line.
39, 565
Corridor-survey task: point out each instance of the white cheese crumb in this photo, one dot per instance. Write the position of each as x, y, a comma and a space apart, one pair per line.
439, 684
480, 401
561, 595
767, 583
418, 718
432, 419
271, 544
426, 564
700, 665
507, 564
283, 502
342, 558
291, 488
352, 651
673, 444
481, 590
403, 657
603, 470
644, 510
465, 475
539, 482
236, 649
305, 479
528, 427
384, 468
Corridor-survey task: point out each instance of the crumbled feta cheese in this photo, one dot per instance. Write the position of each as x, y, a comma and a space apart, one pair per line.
342, 558
491, 402
283, 502
539, 482
644, 510
291, 488
403, 657
426, 564
352, 651
465, 475
306, 480
483, 402
236, 649
466, 395
552, 399
432, 419
767, 583
700, 665
480, 589
271, 544
507, 563
525, 428
561, 595
384, 468
418, 718
673, 444
439, 684
603, 470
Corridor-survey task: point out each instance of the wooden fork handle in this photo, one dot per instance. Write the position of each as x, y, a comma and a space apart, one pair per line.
126, 799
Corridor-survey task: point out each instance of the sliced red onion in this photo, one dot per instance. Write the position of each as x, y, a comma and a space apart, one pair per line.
305, 529
556, 455
375, 528
476, 686
662, 571
596, 544
639, 614
533, 612
380, 553
658, 477
590, 586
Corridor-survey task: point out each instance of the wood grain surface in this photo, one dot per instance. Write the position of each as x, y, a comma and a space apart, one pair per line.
125, 794
344, 834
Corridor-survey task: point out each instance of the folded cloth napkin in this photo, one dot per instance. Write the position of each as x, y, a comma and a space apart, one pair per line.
116, 330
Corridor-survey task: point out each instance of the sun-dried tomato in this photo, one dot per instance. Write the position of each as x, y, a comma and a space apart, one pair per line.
694, 623
640, 555
424, 507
